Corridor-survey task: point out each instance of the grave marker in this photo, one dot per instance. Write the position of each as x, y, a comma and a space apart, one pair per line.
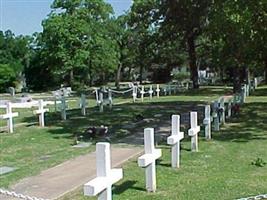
148, 160
215, 115
158, 90
83, 104
106, 177
142, 93
229, 108
193, 131
174, 140
41, 112
207, 122
134, 93
150, 92
63, 108
9, 116
222, 110
110, 101
101, 102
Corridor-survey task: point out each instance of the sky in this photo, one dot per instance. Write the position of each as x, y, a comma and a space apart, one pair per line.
24, 17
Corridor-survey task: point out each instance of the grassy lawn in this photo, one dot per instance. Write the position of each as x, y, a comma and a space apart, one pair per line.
222, 169
32, 149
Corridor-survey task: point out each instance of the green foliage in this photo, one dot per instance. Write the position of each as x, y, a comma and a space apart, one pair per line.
259, 162
13, 58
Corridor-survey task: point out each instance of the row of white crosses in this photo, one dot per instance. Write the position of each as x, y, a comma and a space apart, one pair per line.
106, 176
150, 92
10, 115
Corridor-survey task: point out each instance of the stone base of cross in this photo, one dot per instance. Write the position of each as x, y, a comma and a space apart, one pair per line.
193, 131
9, 116
207, 122
174, 140
106, 177
41, 112
148, 160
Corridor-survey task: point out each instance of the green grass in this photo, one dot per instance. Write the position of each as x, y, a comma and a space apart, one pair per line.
32, 149
222, 169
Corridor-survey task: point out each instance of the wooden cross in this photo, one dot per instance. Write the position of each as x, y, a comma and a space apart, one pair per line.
193, 131
174, 140
148, 160
9, 116
207, 122
106, 177
41, 112
134, 93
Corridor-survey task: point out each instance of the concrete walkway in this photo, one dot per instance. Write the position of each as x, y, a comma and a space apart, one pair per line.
66, 177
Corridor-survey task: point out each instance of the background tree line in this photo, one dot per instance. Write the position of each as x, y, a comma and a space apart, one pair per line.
84, 44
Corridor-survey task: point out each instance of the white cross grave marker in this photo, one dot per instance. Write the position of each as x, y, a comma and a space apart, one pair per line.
110, 101
222, 109
142, 93
193, 131
134, 93
158, 90
63, 108
148, 160
106, 177
174, 140
101, 102
9, 116
41, 112
150, 92
215, 116
83, 104
229, 110
207, 122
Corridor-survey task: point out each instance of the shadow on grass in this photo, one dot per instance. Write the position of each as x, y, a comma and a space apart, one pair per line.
260, 92
126, 185
250, 125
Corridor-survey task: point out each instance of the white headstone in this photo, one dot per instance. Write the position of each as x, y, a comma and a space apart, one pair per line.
158, 90
193, 131
142, 93
41, 112
150, 92
63, 108
106, 177
97, 97
9, 116
148, 160
83, 104
174, 140
255, 82
207, 122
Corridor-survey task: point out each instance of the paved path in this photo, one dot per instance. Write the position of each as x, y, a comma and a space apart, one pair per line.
68, 176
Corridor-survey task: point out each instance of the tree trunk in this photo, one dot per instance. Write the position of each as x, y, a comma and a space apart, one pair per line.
71, 78
118, 76
236, 80
141, 74
192, 61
